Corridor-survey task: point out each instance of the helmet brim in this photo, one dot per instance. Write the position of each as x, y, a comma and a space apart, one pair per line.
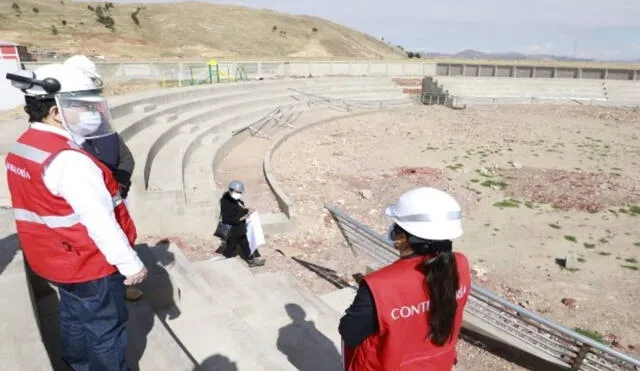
435, 230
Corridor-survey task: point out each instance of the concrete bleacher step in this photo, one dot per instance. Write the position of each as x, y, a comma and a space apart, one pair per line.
340, 299
275, 223
198, 317
199, 185
123, 105
279, 311
167, 164
288, 288
144, 108
148, 133
22, 346
132, 123
167, 118
151, 345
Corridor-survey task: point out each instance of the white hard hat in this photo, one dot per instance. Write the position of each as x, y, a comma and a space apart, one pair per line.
428, 213
69, 79
82, 62
83, 110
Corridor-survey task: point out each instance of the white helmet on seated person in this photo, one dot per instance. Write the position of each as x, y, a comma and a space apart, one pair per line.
84, 112
427, 213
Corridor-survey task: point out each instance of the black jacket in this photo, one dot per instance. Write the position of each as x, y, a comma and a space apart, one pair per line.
231, 211
113, 152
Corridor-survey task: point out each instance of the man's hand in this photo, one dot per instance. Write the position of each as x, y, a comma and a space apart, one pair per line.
136, 278
124, 190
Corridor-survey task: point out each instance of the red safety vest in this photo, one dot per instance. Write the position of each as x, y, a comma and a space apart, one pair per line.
402, 305
56, 245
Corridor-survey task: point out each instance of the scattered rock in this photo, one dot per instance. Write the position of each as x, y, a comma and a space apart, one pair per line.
571, 260
570, 302
328, 220
516, 165
478, 271
613, 340
366, 194
524, 304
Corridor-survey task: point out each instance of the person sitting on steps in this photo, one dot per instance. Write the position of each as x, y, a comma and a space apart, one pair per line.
234, 213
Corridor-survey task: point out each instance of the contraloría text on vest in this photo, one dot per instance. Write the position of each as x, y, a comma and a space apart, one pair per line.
408, 311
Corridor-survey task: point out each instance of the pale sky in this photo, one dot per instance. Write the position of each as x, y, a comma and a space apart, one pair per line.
602, 29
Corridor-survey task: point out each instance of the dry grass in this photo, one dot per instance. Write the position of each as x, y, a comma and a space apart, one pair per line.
184, 30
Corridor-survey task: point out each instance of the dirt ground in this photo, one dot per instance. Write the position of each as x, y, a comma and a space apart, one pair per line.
535, 182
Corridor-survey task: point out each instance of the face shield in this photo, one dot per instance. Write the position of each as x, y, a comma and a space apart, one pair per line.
85, 114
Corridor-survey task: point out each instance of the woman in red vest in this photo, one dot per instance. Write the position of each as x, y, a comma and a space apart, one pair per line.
407, 316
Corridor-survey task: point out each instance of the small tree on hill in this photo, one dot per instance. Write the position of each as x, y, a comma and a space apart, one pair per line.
314, 30
54, 30
63, 22
274, 28
36, 10
417, 55
16, 8
104, 17
410, 54
134, 16
90, 8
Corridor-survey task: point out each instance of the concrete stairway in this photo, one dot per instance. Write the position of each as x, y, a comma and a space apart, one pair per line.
261, 322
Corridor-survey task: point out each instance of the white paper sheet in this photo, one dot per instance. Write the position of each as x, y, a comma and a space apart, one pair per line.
255, 235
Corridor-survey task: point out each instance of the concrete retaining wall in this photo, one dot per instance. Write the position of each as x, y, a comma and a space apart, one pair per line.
536, 71
284, 202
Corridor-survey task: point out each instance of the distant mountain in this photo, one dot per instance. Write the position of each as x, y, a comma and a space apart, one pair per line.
474, 54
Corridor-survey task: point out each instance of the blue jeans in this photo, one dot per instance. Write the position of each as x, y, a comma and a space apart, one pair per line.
93, 319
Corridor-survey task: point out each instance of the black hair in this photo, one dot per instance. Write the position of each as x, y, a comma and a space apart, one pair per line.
38, 109
441, 279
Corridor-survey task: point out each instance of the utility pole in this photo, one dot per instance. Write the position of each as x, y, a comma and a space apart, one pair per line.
575, 49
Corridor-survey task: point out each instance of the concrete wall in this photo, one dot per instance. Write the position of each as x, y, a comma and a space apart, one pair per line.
10, 96
535, 71
199, 72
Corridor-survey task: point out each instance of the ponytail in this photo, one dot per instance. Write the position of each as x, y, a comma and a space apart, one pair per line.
441, 276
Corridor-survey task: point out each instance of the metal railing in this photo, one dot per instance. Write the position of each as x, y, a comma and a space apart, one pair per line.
349, 105
566, 347
281, 116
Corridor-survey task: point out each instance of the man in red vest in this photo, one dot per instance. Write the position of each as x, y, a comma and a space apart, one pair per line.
407, 316
73, 227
